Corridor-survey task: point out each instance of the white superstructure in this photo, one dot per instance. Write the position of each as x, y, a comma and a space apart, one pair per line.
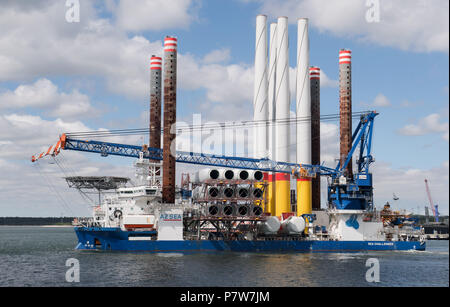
134, 207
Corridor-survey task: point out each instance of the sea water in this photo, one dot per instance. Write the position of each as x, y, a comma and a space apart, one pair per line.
37, 256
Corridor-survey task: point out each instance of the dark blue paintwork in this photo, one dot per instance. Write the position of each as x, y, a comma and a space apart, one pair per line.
115, 239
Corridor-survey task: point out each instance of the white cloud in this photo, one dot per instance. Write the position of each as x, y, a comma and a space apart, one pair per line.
445, 136
325, 81
95, 48
25, 135
217, 56
38, 42
223, 83
38, 189
40, 94
381, 101
141, 15
22, 136
45, 95
409, 104
408, 184
415, 25
427, 125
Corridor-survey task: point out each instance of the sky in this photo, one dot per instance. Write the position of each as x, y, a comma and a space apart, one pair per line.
64, 71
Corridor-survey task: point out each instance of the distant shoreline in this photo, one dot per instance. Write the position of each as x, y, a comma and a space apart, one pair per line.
36, 221
43, 226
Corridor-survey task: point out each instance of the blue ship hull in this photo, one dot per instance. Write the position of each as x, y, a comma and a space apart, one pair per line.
114, 239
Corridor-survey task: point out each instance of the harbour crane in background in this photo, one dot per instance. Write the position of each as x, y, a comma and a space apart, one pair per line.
434, 208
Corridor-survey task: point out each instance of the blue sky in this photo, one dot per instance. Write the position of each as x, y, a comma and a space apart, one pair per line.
59, 77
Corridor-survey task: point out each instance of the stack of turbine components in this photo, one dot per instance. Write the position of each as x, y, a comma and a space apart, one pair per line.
208, 174
230, 192
233, 210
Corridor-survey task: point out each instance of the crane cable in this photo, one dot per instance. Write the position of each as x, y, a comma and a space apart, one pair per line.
63, 203
66, 169
222, 125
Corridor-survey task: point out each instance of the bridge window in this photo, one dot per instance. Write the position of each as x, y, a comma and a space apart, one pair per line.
151, 192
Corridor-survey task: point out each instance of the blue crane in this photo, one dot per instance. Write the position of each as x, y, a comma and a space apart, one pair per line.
344, 194
357, 193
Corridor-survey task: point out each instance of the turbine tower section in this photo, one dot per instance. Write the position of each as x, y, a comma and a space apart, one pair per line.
272, 113
303, 115
260, 103
282, 100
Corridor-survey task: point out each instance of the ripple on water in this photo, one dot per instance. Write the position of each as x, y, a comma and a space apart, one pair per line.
36, 256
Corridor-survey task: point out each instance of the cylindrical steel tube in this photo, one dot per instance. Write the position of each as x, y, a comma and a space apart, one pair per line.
228, 192
345, 108
314, 75
303, 109
270, 208
155, 102
213, 192
170, 117
282, 127
260, 94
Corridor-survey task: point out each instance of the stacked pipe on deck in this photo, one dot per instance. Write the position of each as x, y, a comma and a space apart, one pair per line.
230, 192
